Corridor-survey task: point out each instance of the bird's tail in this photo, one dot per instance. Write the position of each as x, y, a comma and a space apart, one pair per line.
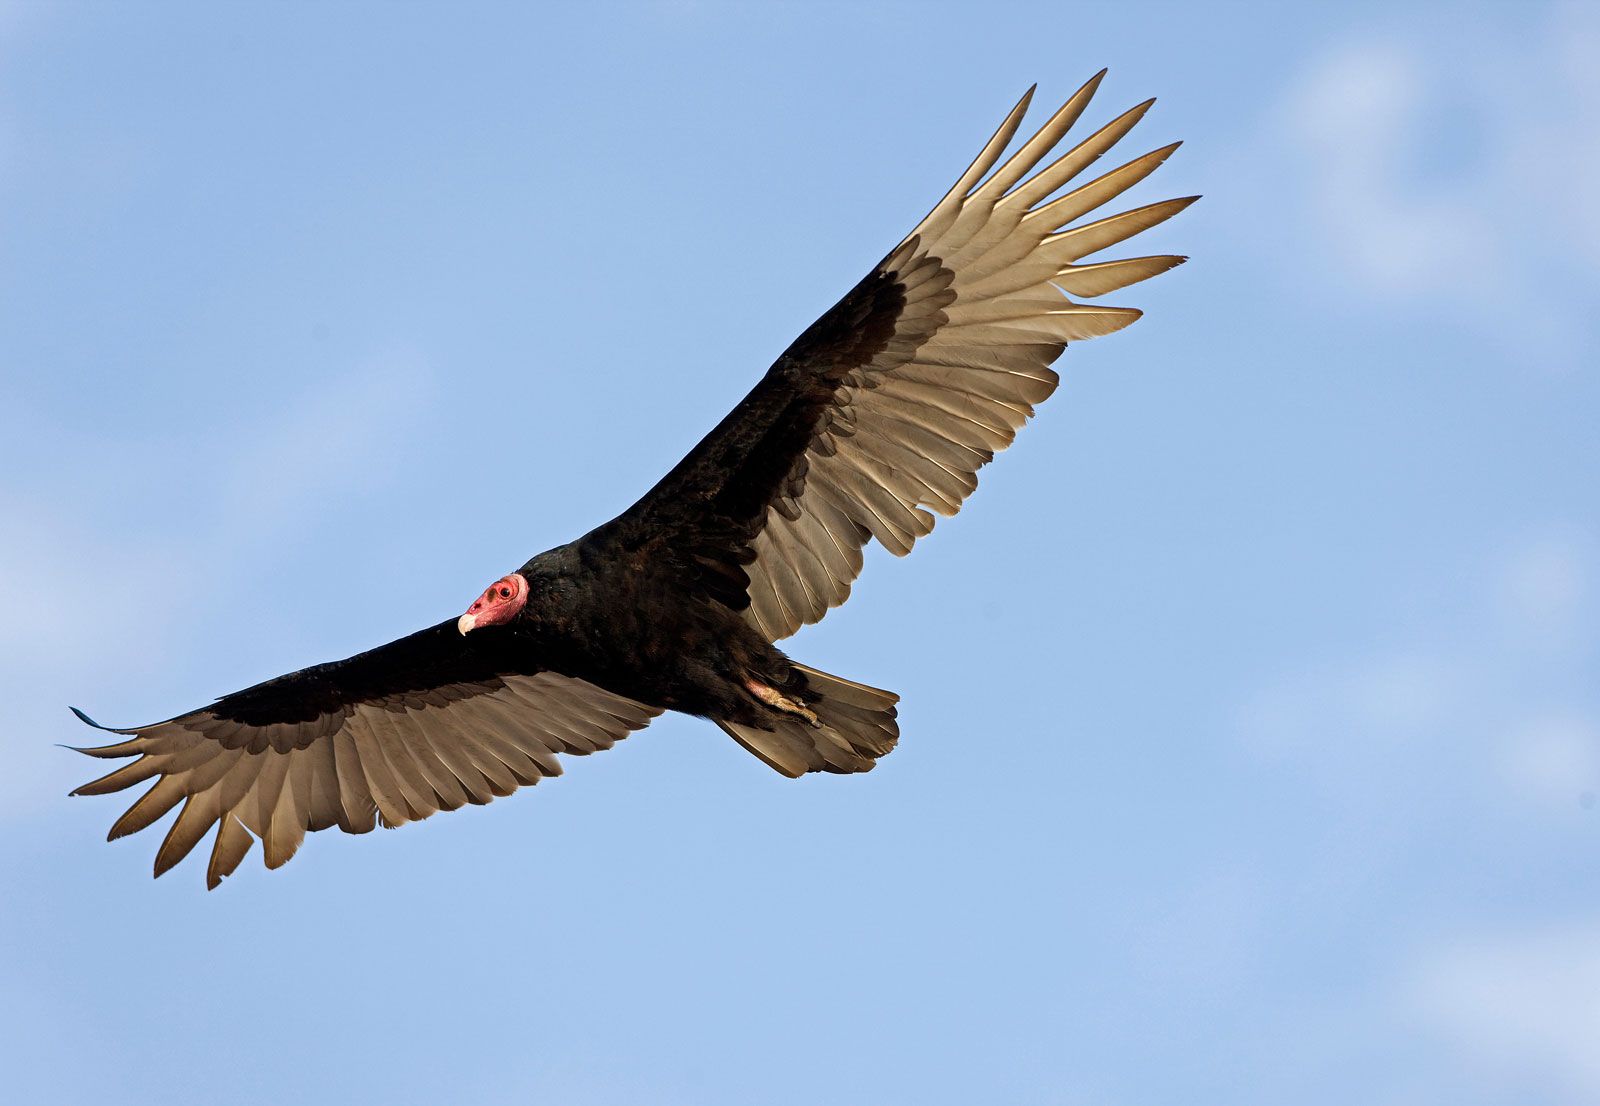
856, 726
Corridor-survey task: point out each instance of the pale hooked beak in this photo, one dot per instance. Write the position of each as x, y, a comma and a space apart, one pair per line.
466, 622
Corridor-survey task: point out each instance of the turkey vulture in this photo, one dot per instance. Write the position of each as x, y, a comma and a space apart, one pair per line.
877, 418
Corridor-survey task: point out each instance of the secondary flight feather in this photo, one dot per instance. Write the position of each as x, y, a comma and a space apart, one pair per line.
872, 423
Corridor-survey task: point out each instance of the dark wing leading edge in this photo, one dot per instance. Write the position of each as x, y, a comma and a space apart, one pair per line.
882, 412
430, 722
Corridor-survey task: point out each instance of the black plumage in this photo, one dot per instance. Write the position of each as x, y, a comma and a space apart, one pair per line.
878, 416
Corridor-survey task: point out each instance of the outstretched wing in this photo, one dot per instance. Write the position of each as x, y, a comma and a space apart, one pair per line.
430, 722
882, 412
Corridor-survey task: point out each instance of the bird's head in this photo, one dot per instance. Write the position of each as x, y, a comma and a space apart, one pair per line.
499, 603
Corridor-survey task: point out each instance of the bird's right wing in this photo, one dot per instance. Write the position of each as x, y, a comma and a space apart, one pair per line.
880, 415
430, 722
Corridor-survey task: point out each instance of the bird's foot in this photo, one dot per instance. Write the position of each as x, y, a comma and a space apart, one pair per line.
777, 700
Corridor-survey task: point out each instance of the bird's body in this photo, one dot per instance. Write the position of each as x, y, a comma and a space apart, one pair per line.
877, 417
618, 617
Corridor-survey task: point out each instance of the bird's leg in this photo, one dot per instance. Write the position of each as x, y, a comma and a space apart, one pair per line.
777, 700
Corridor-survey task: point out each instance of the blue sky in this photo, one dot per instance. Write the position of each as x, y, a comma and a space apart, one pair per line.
1252, 739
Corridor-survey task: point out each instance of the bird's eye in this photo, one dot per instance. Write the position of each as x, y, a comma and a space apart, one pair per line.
505, 593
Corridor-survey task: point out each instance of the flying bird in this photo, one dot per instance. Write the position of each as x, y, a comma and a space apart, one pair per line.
875, 420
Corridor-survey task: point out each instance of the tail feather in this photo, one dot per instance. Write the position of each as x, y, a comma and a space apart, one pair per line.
857, 727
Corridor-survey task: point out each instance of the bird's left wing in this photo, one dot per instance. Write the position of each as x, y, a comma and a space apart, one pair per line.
430, 722
882, 412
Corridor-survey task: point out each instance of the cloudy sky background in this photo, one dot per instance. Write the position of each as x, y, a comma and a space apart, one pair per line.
1252, 734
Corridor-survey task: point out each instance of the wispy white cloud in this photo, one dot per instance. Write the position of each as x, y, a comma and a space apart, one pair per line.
1544, 587
1354, 118
1554, 759
1520, 1008
1478, 678
1455, 168
1392, 696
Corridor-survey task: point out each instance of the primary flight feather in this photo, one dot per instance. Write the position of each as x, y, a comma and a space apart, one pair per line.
877, 418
